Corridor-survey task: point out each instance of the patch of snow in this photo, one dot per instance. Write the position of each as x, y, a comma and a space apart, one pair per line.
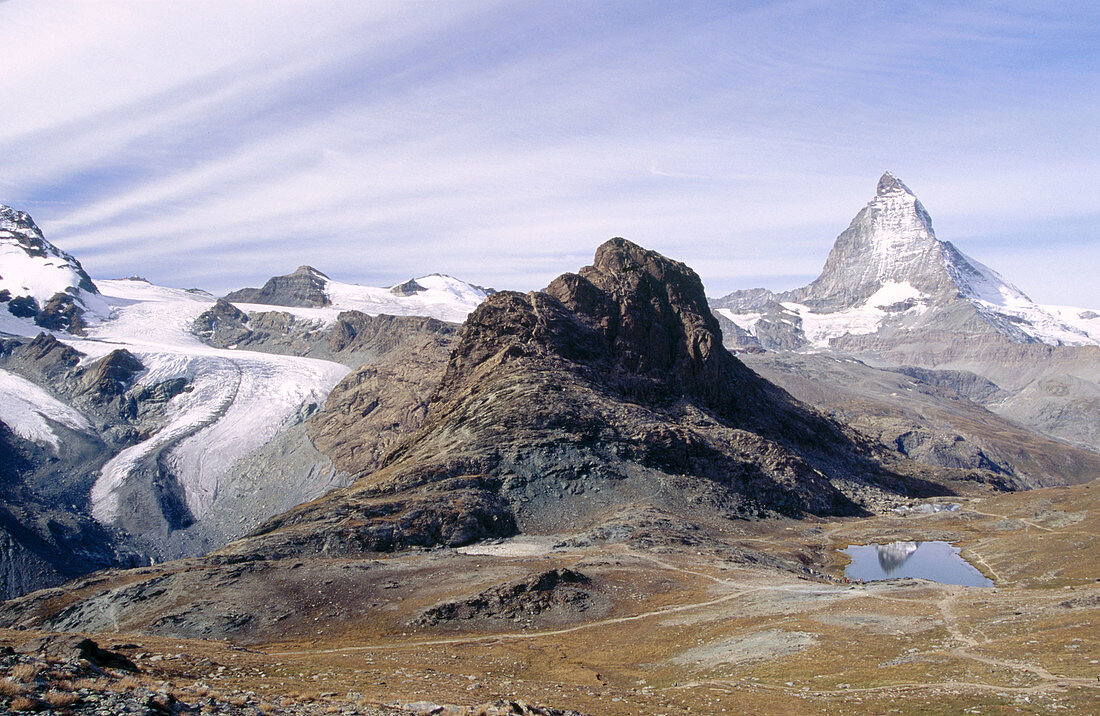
978, 281
29, 411
893, 292
821, 328
524, 546
744, 321
445, 298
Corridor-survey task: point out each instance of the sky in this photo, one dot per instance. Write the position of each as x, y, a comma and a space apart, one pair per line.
215, 144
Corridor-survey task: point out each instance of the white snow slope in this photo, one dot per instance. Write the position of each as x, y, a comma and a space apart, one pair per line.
23, 273
30, 412
239, 400
445, 297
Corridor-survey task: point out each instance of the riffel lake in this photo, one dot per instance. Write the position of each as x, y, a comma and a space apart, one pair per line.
935, 561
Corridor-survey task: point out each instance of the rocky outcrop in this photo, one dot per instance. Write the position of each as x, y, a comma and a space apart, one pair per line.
556, 589
353, 339
556, 408
304, 287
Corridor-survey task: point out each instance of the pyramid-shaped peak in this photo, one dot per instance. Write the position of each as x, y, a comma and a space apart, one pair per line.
889, 185
307, 270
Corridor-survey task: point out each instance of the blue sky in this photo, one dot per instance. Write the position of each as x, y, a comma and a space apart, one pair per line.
216, 144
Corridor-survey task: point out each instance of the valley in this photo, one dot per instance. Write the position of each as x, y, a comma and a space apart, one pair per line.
669, 628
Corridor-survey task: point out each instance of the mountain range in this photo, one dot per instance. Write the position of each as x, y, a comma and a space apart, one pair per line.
141, 423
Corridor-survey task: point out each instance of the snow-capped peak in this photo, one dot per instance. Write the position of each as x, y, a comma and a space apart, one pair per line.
888, 246
308, 293
41, 286
888, 184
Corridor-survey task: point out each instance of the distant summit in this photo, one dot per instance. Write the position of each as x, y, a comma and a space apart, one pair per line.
437, 295
888, 275
41, 284
304, 287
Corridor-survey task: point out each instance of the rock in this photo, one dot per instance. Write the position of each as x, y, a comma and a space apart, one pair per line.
553, 589
304, 287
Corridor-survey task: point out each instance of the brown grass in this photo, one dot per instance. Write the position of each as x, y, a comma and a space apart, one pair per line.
22, 703
11, 688
25, 672
58, 699
126, 683
91, 684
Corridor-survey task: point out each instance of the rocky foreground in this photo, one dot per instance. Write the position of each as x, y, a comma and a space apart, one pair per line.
757, 619
69, 674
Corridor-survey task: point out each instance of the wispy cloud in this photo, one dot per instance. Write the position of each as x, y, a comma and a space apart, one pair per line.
216, 144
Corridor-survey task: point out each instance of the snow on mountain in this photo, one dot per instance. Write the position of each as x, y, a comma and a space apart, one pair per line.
238, 401
310, 294
888, 270
32, 413
37, 280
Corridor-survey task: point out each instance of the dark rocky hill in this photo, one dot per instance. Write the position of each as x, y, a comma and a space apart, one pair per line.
611, 388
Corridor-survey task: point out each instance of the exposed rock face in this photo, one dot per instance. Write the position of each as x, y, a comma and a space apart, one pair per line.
379, 404
890, 240
354, 339
49, 535
223, 325
304, 287
932, 416
408, 288
43, 542
557, 408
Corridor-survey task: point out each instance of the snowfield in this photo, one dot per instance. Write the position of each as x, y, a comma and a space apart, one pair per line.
238, 401
31, 266
445, 297
31, 412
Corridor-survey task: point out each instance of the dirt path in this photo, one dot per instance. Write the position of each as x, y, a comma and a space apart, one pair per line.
508, 636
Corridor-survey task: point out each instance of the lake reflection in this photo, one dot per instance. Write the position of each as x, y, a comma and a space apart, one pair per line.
935, 561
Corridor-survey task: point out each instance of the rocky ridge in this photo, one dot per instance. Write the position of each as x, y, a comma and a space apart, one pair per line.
611, 387
303, 287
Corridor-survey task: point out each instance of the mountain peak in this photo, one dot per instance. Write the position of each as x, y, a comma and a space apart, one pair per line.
888, 270
307, 270
888, 184
40, 281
